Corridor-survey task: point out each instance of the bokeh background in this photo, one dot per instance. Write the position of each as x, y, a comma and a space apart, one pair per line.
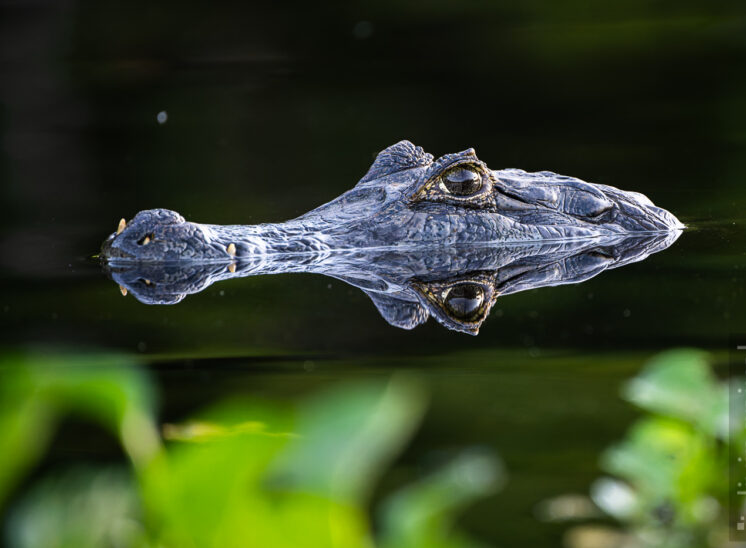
275, 108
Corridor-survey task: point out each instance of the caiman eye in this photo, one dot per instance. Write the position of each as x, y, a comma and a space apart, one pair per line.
464, 182
461, 181
464, 301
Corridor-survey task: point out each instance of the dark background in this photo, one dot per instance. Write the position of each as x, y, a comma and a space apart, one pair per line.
275, 108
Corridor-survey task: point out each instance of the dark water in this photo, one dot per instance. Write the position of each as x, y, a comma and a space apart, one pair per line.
272, 111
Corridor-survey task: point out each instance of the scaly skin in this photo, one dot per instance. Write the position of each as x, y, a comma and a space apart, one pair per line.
407, 200
457, 285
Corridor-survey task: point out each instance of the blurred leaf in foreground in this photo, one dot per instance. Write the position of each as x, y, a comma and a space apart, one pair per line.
348, 435
212, 493
679, 384
36, 390
670, 471
669, 465
244, 473
421, 515
288, 477
80, 508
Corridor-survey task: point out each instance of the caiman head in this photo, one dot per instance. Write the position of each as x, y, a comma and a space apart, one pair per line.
408, 199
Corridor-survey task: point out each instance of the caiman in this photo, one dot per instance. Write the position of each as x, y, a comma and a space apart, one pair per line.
420, 236
408, 200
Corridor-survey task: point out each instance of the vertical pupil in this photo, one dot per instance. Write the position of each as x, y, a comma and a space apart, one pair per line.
462, 181
465, 300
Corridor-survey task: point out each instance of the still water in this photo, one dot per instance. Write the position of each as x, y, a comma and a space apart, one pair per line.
243, 115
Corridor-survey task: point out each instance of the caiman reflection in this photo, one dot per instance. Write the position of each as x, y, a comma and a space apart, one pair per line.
457, 285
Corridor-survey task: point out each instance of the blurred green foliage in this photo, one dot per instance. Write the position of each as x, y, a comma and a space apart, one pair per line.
246, 472
669, 475
79, 507
242, 473
35, 392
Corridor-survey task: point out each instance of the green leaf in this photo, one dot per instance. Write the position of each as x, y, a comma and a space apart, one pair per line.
667, 462
79, 508
210, 490
422, 515
679, 384
36, 390
347, 436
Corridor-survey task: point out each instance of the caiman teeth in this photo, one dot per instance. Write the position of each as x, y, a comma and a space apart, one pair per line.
146, 240
122, 225
232, 268
123, 290
231, 249
147, 282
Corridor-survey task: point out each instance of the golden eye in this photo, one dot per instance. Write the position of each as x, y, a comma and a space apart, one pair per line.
464, 301
461, 181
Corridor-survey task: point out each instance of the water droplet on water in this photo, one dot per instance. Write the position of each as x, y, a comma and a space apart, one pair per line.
162, 117
362, 30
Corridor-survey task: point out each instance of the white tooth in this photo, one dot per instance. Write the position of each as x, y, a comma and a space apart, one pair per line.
232, 268
147, 282
146, 240
123, 290
231, 249
122, 224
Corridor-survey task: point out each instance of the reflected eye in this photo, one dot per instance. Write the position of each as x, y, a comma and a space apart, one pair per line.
461, 181
464, 300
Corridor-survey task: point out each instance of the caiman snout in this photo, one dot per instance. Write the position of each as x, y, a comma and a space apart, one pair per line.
162, 235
